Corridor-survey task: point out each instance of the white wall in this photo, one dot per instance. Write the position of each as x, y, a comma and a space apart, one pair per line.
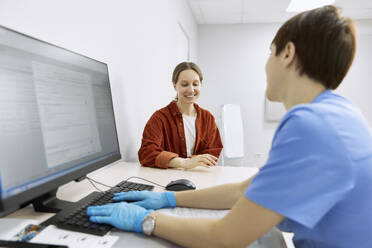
233, 59
137, 39
357, 86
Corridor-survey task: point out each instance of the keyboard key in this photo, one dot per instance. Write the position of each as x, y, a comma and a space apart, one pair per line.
76, 219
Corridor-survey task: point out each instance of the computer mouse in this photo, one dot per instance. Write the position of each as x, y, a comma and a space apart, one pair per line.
179, 185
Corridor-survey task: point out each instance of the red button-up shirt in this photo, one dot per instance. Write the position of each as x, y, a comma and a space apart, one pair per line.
164, 136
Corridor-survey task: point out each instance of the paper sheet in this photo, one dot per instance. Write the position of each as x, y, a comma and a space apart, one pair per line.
54, 235
194, 212
9, 227
273, 238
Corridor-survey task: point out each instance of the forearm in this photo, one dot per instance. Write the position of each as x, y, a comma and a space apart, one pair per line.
184, 231
240, 227
217, 197
176, 162
150, 156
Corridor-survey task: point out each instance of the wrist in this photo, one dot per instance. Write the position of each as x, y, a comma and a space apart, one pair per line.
184, 163
176, 162
148, 224
170, 198
138, 227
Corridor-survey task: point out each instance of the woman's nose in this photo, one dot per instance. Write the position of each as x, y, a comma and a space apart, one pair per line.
191, 88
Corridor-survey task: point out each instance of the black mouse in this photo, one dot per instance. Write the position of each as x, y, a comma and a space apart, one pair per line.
179, 185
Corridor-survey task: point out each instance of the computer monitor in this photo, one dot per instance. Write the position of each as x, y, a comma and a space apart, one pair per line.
56, 120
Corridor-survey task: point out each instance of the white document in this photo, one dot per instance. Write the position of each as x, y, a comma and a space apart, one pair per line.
193, 212
273, 238
54, 235
9, 228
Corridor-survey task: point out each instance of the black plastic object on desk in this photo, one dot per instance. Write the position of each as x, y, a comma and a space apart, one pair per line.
74, 218
180, 184
18, 244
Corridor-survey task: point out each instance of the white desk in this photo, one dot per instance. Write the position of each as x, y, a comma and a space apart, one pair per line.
113, 174
202, 177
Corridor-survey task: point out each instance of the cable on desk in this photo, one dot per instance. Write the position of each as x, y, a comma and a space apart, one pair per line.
145, 180
108, 186
90, 180
126, 180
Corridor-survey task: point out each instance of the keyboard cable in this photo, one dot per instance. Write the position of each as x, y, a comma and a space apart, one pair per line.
92, 181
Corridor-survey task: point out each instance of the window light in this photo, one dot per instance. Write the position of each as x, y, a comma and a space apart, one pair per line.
302, 5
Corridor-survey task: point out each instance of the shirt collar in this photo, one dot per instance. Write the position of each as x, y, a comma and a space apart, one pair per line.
176, 111
322, 95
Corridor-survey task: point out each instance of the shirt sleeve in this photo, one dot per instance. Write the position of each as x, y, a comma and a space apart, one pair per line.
213, 142
307, 173
151, 152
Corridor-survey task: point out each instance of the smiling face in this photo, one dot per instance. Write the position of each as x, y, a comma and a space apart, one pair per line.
188, 87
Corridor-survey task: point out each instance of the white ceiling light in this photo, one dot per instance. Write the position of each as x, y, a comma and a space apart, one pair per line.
302, 5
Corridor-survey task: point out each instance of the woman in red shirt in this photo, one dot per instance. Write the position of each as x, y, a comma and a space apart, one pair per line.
182, 134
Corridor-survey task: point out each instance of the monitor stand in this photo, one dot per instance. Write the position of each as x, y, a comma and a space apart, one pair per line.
49, 203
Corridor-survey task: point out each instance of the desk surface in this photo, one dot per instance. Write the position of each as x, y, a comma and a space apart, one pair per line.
117, 172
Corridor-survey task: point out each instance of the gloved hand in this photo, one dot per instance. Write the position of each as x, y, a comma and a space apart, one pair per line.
148, 199
121, 215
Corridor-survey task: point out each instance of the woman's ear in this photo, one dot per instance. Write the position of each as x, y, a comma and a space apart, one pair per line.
289, 53
174, 86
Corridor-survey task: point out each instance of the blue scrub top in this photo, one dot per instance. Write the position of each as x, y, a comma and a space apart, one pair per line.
319, 174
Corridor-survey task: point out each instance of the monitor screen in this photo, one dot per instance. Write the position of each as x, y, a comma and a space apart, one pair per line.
56, 118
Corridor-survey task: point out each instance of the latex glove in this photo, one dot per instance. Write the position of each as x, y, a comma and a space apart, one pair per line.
148, 199
121, 215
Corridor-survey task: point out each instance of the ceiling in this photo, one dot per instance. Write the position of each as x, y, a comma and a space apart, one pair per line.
263, 11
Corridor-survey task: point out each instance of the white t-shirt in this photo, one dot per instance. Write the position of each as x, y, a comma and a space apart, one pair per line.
190, 133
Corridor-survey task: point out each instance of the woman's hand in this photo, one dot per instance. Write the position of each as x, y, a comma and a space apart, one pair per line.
205, 160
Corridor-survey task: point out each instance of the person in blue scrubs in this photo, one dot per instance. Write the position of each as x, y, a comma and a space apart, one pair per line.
317, 182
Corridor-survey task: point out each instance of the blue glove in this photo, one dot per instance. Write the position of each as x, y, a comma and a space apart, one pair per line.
121, 215
148, 199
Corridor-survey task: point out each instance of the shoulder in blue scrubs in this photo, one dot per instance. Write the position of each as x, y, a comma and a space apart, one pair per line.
318, 174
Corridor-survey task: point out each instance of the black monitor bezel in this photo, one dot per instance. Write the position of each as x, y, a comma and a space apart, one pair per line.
24, 198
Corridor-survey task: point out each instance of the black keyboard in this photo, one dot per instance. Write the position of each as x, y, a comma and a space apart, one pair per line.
75, 218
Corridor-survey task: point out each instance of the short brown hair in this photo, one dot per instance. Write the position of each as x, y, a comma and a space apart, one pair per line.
186, 66
325, 44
